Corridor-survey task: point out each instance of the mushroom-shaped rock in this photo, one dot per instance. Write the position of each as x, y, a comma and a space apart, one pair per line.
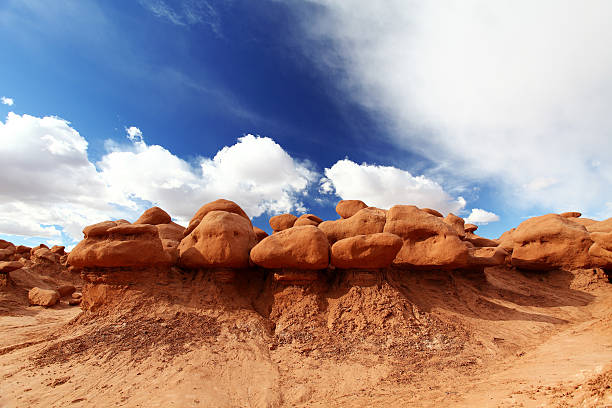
282, 222
154, 216
457, 223
348, 208
429, 242
550, 241
43, 297
571, 214
470, 227
259, 233
110, 244
221, 240
372, 251
366, 221
432, 212
10, 266
217, 205
303, 248
488, 256
307, 219
601, 250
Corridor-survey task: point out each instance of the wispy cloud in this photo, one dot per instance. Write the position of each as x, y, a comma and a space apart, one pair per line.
186, 12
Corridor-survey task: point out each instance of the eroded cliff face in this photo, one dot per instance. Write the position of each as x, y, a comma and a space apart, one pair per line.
400, 306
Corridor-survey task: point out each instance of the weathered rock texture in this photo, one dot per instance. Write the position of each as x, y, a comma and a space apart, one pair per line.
304, 248
366, 221
366, 251
43, 297
348, 208
217, 205
282, 222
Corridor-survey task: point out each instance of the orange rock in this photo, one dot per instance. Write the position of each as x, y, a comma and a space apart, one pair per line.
7, 250
217, 205
66, 290
601, 250
58, 249
43, 297
171, 233
429, 242
348, 208
259, 233
505, 240
36, 248
550, 241
479, 241
583, 221
366, 251
154, 216
366, 221
600, 226
571, 214
457, 223
110, 244
221, 240
44, 256
10, 266
307, 219
470, 227
432, 212
488, 256
282, 222
303, 248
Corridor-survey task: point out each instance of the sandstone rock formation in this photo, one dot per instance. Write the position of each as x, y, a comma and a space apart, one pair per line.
217, 205
429, 242
571, 214
154, 216
307, 219
6, 267
550, 241
372, 251
221, 240
43, 297
112, 244
348, 208
432, 212
470, 227
302, 248
259, 234
282, 222
365, 221
601, 250
457, 223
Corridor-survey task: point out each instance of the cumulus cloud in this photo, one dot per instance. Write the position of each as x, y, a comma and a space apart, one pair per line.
514, 93
481, 217
49, 185
7, 101
385, 186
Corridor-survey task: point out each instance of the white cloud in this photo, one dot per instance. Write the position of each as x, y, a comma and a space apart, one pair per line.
516, 93
7, 101
385, 186
481, 217
47, 180
185, 12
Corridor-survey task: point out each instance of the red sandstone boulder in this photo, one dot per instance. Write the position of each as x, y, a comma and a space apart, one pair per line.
282, 222
601, 250
259, 233
432, 212
22, 251
506, 241
307, 219
429, 242
58, 250
550, 241
10, 266
372, 251
7, 251
585, 222
43, 297
457, 223
571, 214
366, 221
221, 240
304, 248
470, 227
217, 205
348, 208
44, 256
66, 290
488, 256
36, 248
111, 244
154, 216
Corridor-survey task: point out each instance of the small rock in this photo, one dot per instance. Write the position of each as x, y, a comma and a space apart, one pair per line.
43, 297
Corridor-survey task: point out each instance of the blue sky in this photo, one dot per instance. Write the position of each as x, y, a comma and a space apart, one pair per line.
291, 106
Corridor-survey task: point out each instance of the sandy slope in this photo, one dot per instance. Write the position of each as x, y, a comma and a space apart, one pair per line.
499, 339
